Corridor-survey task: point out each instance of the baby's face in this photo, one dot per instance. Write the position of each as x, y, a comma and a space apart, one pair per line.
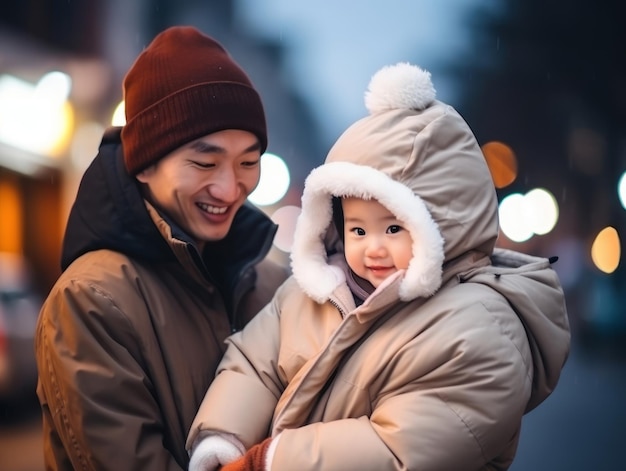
376, 243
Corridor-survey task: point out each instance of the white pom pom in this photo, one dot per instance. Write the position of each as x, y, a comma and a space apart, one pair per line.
400, 86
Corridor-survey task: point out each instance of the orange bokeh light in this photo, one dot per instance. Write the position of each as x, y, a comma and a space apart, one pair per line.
502, 163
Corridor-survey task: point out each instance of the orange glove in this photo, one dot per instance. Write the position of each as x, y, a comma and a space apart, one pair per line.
253, 460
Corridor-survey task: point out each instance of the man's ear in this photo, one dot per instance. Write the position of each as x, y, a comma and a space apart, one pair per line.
145, 174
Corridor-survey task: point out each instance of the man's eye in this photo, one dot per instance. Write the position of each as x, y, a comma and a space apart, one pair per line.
394, 229
250, 163
203, 164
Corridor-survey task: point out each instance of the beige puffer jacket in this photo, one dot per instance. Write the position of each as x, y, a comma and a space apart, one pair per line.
435, 370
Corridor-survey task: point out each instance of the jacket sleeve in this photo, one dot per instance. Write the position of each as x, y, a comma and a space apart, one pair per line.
247, 386
99, 410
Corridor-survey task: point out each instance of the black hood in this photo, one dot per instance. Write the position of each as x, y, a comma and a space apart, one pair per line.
109, 211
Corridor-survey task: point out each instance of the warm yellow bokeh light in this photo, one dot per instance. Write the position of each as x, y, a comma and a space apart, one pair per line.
605, 251
502, 163
119, 115
65, 132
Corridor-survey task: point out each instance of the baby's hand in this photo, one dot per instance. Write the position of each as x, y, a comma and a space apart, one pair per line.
212, 452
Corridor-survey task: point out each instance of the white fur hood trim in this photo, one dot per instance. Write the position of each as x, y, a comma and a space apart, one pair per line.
308, 257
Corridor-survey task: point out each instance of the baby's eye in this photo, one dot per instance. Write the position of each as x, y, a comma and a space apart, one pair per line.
393, 229
358, 231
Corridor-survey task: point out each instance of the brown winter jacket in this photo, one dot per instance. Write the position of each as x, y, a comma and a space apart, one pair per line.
464, 342
130, 335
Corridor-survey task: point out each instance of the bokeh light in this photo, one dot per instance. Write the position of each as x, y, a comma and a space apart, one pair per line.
11, 229
53, 87
119, 114
36, 117
286, 218
621, 190
274, 181
514, 221
522, 216
502, 163
605, 251
543, 210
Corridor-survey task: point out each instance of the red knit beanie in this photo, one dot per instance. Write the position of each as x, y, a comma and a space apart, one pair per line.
183, 86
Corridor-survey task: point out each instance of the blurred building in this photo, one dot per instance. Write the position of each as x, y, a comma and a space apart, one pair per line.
89, 46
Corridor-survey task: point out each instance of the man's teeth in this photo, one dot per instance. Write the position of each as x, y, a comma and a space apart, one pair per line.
212, 209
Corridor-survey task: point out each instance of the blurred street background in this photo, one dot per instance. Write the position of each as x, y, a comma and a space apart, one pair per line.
541, 83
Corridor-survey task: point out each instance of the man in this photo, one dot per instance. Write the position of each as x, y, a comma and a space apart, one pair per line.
162, 260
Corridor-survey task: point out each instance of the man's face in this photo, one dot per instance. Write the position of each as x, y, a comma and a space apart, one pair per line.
376, 244
202, 184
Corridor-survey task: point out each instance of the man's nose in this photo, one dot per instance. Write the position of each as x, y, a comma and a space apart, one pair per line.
225, 187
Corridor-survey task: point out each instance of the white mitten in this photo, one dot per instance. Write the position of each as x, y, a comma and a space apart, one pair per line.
213, 451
